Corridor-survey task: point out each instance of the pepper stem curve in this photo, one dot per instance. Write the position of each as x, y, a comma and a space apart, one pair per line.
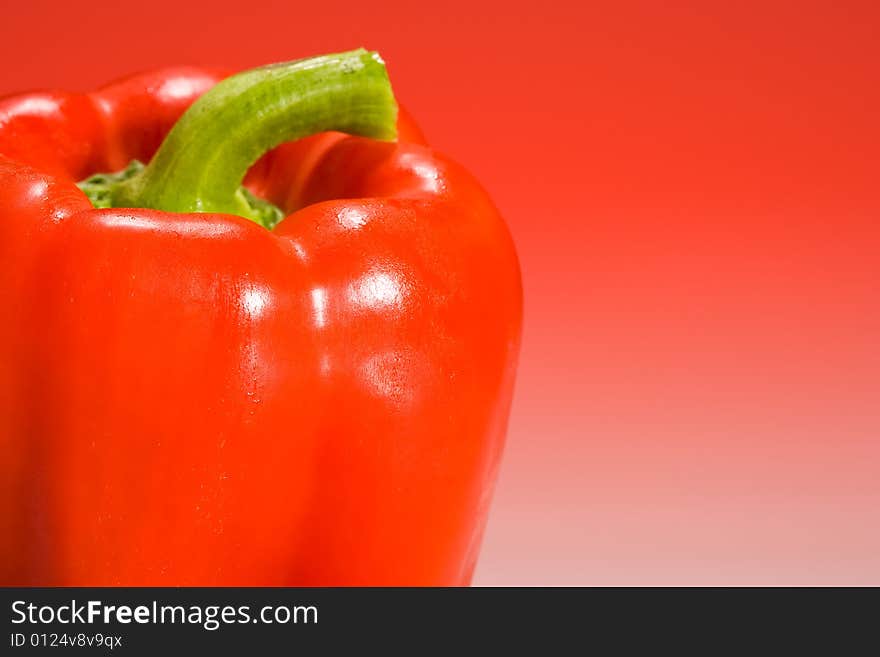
201, 163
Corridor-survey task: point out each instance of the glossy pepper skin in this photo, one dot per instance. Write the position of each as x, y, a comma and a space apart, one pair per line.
192, 399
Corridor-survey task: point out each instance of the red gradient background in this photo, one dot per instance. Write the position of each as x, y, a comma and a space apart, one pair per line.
694, 190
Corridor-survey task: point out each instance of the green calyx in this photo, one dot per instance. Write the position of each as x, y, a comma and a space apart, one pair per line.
203, 160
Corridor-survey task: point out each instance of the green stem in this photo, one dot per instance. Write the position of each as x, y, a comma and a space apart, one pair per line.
200, 165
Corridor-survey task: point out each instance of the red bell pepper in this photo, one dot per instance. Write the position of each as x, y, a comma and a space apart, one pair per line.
302, 381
